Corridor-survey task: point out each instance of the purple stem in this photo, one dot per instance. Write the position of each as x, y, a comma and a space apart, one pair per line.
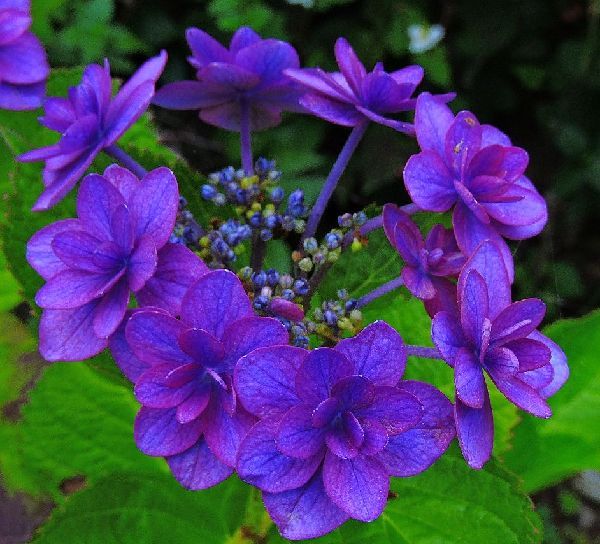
422, 351
379, 292
126, 160
334, 176
246, 138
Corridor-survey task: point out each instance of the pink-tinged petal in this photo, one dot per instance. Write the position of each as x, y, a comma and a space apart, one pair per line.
76, 249
68, 335
250, 333
96, 202
265, 379
177, 269
429, 182
350, 65
432, 121
191, 95
296, 434
400, 126
215, 301
111, 310
531, 354
73, 288
418, 283
153, 337
507, 163
358, 486
261, 464
315, 79
126, 360
142, 263
414, 451
154, 205
492, 136
517, 320
243, 37
304, 512
124, 181
158, 433
198, 468
202, 347
22, 97
40, 254
321, 369
268, 59
13, 23
378, 353
408, 242
475, 430
334, 111
23, 61
398, 411
447, 335
463, 141
521, 395
152, 391
526, 207
468, 379
474, 308
558, 360
286, 308
205, 48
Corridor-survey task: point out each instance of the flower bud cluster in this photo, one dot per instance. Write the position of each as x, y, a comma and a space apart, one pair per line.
187, 232
335, 319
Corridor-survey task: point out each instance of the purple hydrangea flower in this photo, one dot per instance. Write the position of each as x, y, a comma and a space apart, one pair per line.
474, 168
89, 121
427, 264
499, 338
184, 377
23, 64
117, 245
353, 95
249, 73
335, 425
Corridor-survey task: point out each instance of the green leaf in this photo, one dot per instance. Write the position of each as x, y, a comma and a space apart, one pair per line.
10, 294
545, 452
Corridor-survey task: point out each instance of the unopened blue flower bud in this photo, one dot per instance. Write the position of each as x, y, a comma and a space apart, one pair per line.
301, 287
208, 192
259, 279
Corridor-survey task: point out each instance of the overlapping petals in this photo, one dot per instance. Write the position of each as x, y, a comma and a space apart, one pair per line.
90, 120
116, 246
249, 74
336, 423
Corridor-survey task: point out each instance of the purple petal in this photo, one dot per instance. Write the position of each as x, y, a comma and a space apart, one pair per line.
501, 361
76, 249
227, 116
197, 467
345, 439
243, 37
193, 407
474, 307
215, 301
22, 97
531, 354
315, 79
492, 136
353, 392
409, 75
268, 59
261, 464
13, 23
350, 65
265, 379
334, 111
414, 451
152, 391
286, 308
398, 411
296, 435
463, 141
205, 48
142, 263
40, 154
432, 121
558, 360
475, 430
123, 112
429, 182
304, 512
507, 163
68, 335
525, 207
358, 486
191, 95
517, 320
158, 433
411, 241
23, 61
230, 76
126, 360
376, 438
96, 202
124, 181
201, 347
321, 369
418, 283
378, 353
538, 378
381, 93
447, 335
445, 298
121, 229
468, 379
522, 395
111, 310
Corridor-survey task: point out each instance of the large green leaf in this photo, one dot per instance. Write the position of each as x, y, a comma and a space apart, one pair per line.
545, 452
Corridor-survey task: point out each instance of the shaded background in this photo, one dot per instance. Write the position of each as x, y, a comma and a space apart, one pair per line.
530, 67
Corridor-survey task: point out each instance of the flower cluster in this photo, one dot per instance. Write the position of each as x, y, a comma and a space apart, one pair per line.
220, 361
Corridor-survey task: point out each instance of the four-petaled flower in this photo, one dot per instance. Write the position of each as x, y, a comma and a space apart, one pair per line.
427, 264
23, 65
248, 77
89, 121
190, 411
353, 96
495, 336
474, 168
115, 246
335, 425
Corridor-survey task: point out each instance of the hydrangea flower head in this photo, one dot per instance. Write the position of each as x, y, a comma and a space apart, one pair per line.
117, 245
335, 425
249, 73
427, 264
89, 121
190, 411
474, 168
498, 337
353, 95
23, 64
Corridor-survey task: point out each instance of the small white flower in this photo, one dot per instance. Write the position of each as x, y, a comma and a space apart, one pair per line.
424, 38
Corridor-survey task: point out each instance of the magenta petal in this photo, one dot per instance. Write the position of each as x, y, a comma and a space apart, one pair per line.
124, 181
96, 202
321, 369
432, 121
522, 395
463, 141
304, 512
378, 353
414, 451
468, 379
398, 411
205, 48
158, 433
296, 435
265, 379
334, 111
111, 310
197, 467
142, 263
447, 335
558, 360
475, 430
68, 335
215, 301
429, 182
126, 360
261, 464
517, 320
358, 486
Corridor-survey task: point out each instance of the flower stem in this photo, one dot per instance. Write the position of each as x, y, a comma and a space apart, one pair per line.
379, 292
246, 138
126, 160
258, 251
332, 179
422, 351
